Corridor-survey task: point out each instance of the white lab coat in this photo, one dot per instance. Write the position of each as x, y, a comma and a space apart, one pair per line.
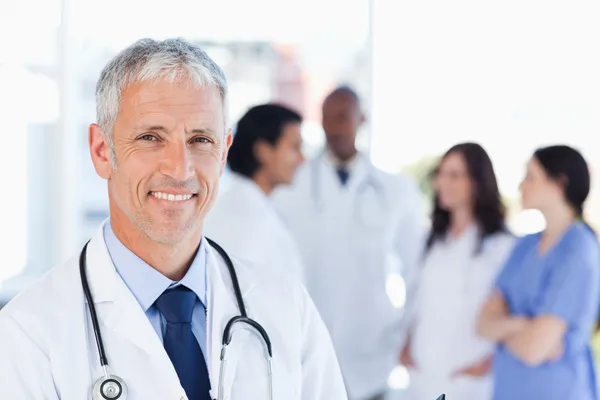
352, 239
245, 222
454, 283
47, 347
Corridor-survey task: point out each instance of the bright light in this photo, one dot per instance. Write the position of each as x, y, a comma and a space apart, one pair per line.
399, 378
313, 137
446, 72
13, 236
395, 287
235, 20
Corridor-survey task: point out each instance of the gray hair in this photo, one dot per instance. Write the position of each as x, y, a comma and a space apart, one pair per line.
148, 60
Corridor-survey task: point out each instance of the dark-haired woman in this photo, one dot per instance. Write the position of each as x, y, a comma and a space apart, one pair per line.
466, 247
544, 308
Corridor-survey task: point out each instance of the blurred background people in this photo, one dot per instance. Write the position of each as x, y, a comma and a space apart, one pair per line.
544, 309
466, 247
265, 153
356, 226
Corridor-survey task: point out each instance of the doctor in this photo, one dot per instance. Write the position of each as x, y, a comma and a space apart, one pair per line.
356, 226
265, 153
160, 292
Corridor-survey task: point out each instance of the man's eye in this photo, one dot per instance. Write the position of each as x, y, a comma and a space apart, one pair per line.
147, 137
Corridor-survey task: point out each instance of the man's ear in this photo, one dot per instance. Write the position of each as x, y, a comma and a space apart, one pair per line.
227, 142
99, 151
363, 118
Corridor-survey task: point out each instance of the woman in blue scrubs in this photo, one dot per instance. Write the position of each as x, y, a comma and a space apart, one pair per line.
544, 308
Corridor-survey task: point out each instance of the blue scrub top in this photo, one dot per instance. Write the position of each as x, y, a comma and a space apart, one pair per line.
564, 282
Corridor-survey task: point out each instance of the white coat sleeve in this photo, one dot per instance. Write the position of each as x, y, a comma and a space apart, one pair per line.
321, 374
24, 368
410, 240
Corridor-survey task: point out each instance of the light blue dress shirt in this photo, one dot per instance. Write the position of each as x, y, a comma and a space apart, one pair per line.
147, 284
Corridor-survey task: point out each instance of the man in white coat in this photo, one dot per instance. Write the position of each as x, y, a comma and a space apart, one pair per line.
357, 228
162, 294
265, 153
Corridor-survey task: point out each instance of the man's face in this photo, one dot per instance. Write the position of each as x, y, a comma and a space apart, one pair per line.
341, 119
170, 148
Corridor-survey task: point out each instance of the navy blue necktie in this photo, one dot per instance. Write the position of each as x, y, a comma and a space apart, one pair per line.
343, 174
177, 306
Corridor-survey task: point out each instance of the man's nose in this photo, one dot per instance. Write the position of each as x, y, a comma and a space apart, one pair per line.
177, 161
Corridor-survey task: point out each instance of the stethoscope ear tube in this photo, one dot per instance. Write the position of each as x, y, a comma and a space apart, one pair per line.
227, 337
228, 332
242, 319
108, 387
234, 280
88, 297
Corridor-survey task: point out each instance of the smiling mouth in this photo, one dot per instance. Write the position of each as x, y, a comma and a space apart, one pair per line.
172, 197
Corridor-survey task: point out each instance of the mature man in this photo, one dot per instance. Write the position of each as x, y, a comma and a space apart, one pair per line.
357, 228
160, 294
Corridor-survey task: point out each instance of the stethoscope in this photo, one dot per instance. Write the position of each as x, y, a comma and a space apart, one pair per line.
368, 184
112, 387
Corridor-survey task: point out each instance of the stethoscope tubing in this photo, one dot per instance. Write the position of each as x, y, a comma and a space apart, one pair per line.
118, 384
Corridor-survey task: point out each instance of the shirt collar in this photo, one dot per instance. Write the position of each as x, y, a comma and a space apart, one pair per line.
146, 283
469, 233
350, 164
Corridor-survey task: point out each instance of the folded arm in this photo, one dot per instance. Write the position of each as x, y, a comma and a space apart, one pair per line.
569, 298
495, 323
539, 341
531, 340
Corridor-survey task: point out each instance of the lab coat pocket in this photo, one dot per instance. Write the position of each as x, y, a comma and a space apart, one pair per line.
252, 382
251, 376
371, 249
250, 385
371, 210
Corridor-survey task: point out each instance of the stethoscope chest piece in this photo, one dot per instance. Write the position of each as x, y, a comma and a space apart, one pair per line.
111, 388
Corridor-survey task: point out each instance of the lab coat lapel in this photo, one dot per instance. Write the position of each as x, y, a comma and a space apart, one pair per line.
336, 202
121, 316
359, 173
328, 180
222, 306
327, 192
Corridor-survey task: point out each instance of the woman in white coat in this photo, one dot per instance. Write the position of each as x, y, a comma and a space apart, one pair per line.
467, 245
265, 153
